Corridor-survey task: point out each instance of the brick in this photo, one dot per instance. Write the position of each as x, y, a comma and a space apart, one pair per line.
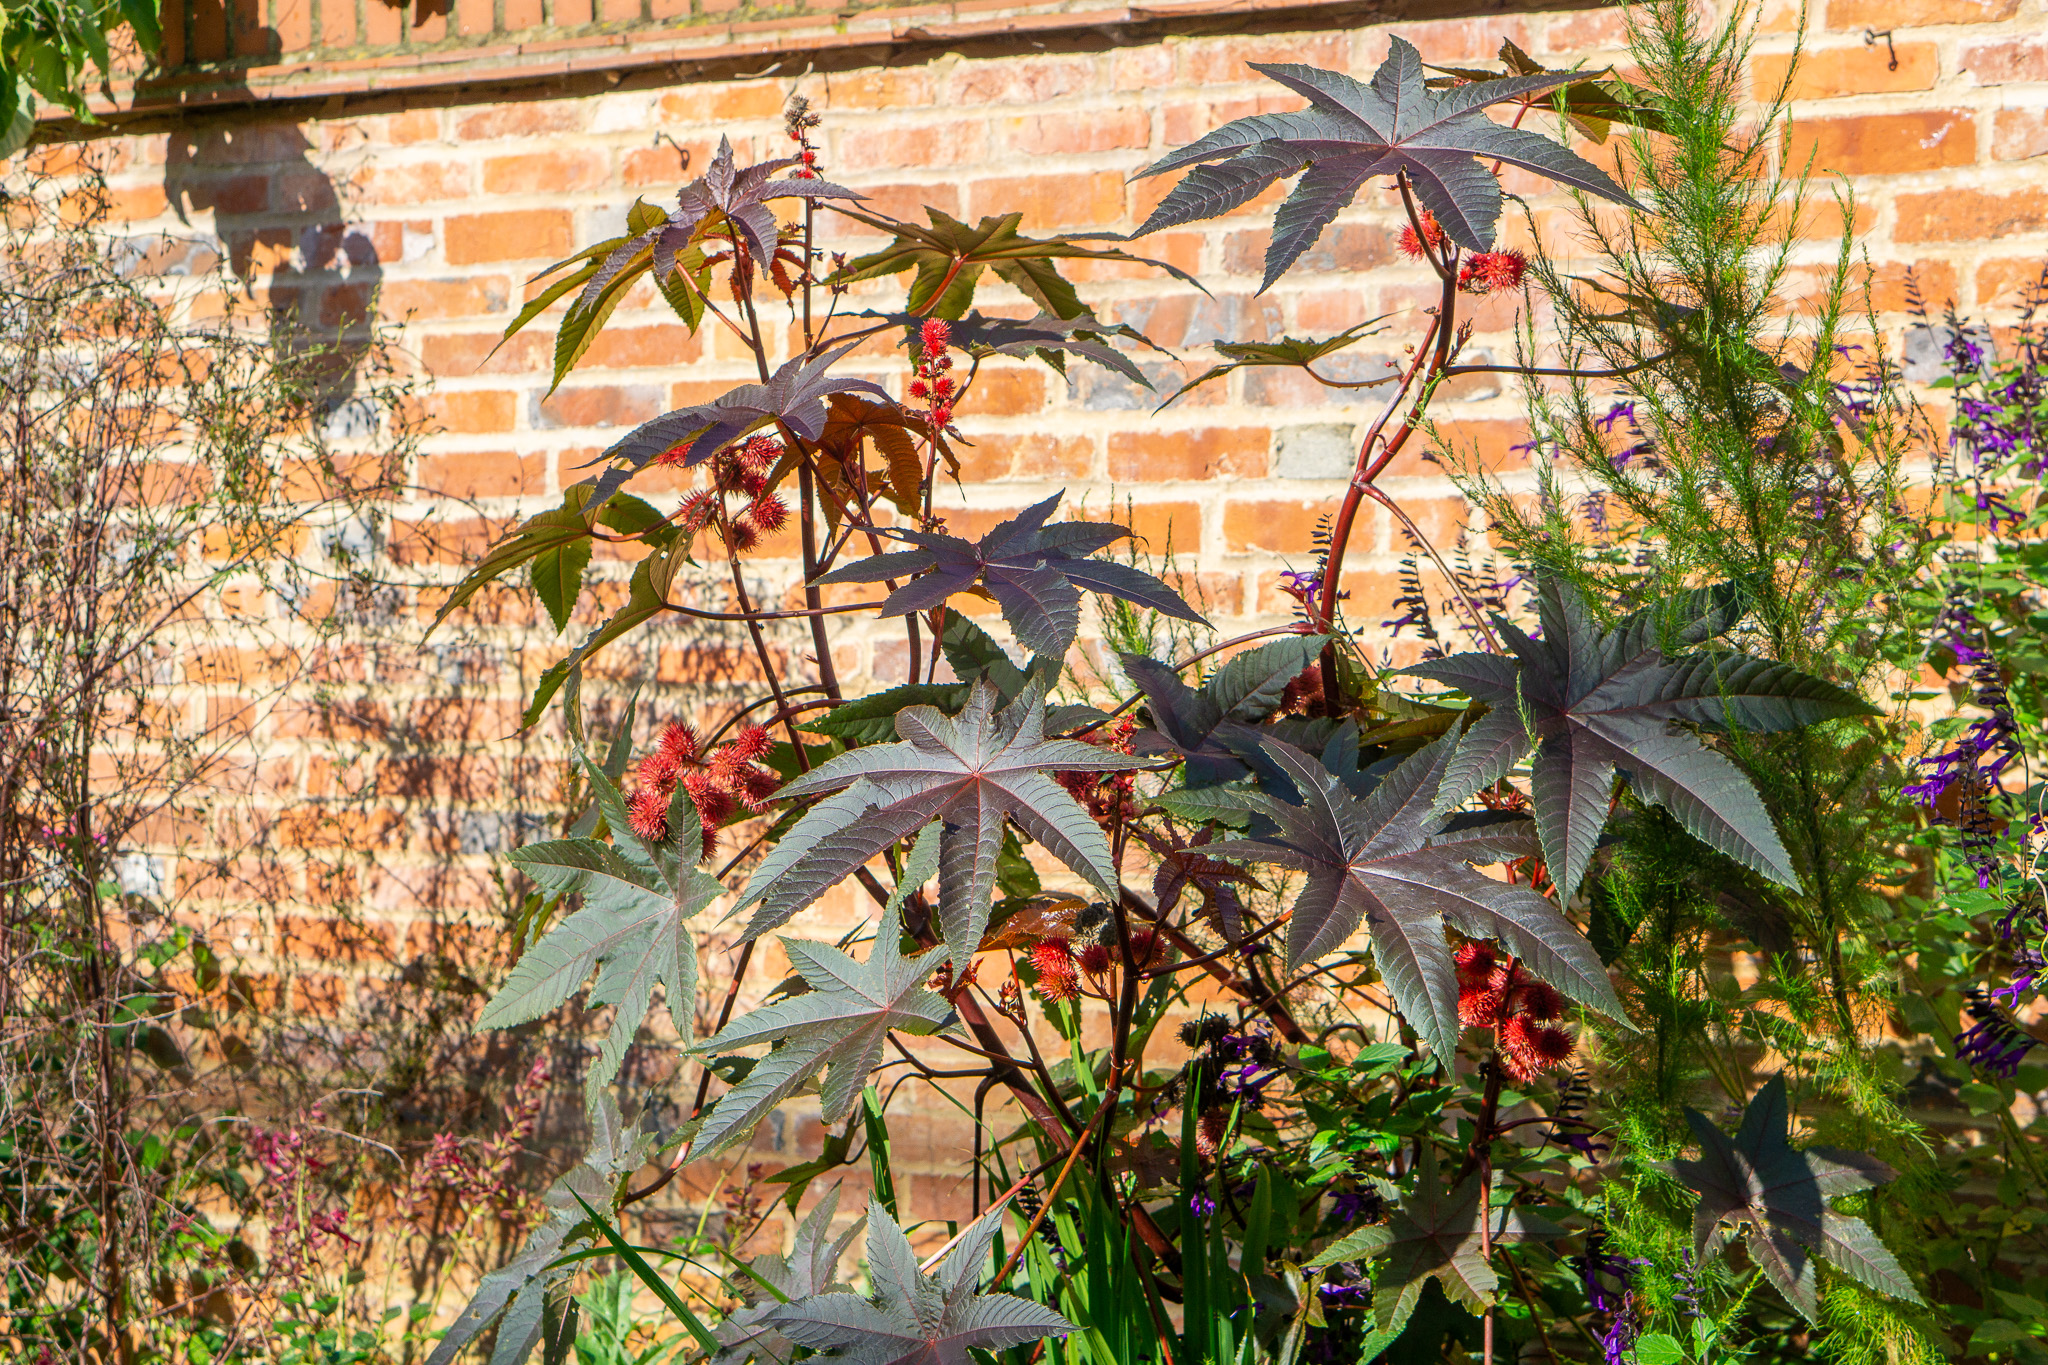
2020, 134
1883, 144
955, 142
474, 18
595, 405
466, 411
1159, 526
1969, 215
547, 172
2002, 282
1861, 69
1027, 457
536, 118
2008, 61
1031, 80
726, 103
492, 474
1206, 453
1141, 68
432, 300
1100, 130
655, 347
421, 182
1223, 61
1851, 15
1010, 391
874, 88
526, 235
1052, 201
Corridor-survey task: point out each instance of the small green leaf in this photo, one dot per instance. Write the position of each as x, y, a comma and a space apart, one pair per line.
1657, 1348
558, 579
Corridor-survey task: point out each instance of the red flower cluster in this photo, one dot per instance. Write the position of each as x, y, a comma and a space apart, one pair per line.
1106, 795
799, 120
1411, 245
1502, 997
739, 471
718, 783
1059, 967
933, 385
1489, 272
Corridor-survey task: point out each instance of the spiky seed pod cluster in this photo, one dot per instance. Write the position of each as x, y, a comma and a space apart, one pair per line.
1059, 972
1520, 1009
932, 385
739, 475
1108, 796
720, 782
1432, 232
1491, 272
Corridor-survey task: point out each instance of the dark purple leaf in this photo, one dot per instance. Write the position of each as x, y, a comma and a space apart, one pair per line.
1779, 1196
795, 396
1605, 702
916, 1318
972, 772
1393, 864
1353, 132
1035, 573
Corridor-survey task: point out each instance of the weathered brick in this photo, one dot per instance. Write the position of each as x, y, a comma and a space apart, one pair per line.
465, 411
1205, 453
598, 405
1103, 130
483, 474
1884, 144
476, 296
2004, 282
2020, 134
2007, 61
547, 172
1850, 15
1076, 199
1970, 215
532, 118
521, 235
1858, 69
922, 143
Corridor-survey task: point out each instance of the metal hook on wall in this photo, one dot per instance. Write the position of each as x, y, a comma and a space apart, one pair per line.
1870, 38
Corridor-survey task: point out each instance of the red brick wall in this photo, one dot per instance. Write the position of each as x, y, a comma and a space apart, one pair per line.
440, 203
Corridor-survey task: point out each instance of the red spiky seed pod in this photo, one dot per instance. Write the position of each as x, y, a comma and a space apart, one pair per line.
1095, 959
935, 336
1209, 1131
1528, 1048
679, 742
757, 788
1479, 1004
769, 513
1490, 272
741, 535
750, 742
1148, 949
1539, 1001
920, 390
714, 803
697, 510
1053, 957
659, 770
1476, 961
647, 812
1411, 245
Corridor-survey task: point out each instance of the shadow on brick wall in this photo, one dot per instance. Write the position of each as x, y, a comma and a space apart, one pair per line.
282, 223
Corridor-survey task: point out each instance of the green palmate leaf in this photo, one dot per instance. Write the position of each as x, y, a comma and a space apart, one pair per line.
1352, 132
1593, 105
1034, 571
1435, 1234
837, 1027
512, 1296
872, 719
633, 929
809, 1269
552, 532
916, 1318
557, 576
1048, 337
973, 772
1595, 703
1779, 1197
646, 598
972, 653
949, 257
1291, 352
1394, 864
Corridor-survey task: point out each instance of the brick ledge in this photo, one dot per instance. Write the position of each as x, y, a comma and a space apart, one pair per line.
882, 36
